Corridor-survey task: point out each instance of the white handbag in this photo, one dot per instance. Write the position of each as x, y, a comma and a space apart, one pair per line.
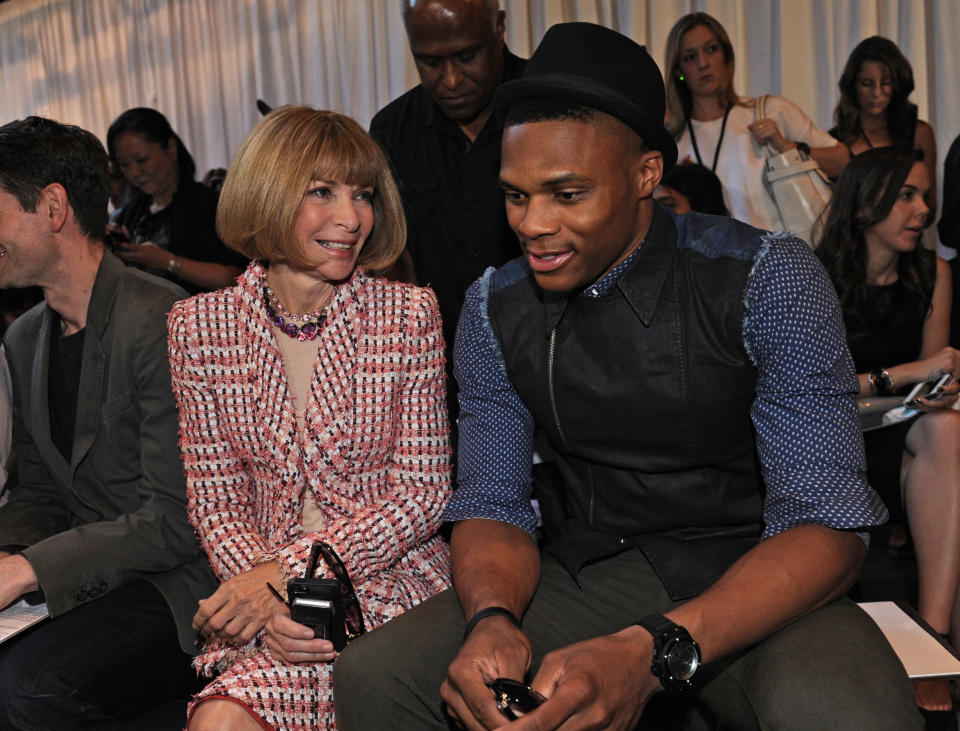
797, 185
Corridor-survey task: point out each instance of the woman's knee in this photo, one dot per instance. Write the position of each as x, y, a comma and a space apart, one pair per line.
217, 714
936, 430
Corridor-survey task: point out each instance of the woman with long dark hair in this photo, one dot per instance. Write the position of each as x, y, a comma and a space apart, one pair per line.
718, 129
875, 109
896, 299
169, 227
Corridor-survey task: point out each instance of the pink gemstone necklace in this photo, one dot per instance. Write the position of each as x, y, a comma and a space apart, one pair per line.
287, 321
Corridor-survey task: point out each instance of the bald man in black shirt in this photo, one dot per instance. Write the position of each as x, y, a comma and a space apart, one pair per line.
444, 144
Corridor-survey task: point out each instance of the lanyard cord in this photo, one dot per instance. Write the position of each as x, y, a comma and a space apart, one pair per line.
716, 152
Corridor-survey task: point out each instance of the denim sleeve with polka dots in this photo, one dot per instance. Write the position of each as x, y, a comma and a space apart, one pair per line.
808, 429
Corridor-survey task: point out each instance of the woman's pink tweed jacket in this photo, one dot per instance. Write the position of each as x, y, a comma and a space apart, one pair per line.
375, 456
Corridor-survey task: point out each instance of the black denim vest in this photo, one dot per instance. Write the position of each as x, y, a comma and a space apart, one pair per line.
644, 394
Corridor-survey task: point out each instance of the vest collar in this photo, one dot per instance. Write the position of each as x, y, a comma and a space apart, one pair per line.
643, 281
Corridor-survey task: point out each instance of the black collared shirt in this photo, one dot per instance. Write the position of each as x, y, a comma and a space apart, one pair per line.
457, 224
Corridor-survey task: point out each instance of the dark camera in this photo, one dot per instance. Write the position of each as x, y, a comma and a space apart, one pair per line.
318, 604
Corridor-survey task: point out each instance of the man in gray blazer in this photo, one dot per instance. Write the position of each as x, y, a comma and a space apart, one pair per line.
96, 525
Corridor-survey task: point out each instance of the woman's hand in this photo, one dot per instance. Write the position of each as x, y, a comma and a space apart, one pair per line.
240, 608
293, 642
948, 399
766, 131
114, 228
147, 254
945, 360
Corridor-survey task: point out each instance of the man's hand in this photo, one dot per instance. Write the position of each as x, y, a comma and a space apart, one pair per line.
601, 683
495, 649
241, 606
293, 642
16, 578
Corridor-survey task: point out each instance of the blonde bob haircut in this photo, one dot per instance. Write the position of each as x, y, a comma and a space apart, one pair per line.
273, 170
679, 98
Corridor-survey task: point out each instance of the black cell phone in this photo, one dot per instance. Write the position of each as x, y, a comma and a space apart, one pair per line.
514, 699
117, 237
318, 604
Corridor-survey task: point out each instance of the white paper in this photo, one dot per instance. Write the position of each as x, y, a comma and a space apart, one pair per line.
921, 654
17, 617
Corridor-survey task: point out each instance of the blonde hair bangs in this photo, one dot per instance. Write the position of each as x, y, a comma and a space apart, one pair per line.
272, 172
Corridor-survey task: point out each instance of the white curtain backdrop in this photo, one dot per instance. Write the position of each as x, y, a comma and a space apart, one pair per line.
204, 63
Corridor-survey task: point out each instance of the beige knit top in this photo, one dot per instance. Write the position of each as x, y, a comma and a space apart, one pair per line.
299, 360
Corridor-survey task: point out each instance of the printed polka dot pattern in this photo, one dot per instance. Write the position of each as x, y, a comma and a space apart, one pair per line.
496, 428
808, 429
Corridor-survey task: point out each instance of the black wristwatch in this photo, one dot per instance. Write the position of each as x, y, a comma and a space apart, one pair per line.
676, 657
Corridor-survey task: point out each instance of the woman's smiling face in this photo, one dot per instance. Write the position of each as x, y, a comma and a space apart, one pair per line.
332, 225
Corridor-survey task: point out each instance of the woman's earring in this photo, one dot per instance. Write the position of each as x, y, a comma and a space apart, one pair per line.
681, 77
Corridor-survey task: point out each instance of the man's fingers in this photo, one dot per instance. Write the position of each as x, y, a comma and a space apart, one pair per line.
482, 705
460, 711
563, 711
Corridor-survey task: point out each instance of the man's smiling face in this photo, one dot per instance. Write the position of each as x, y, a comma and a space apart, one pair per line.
575, 193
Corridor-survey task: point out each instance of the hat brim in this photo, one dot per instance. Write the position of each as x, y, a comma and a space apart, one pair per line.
589, 93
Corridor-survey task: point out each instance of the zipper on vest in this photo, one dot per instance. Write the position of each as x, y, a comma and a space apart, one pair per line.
553, 398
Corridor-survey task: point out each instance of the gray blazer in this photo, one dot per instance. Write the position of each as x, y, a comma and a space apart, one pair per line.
117, 511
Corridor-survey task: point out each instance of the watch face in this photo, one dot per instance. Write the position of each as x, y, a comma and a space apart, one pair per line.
682, 659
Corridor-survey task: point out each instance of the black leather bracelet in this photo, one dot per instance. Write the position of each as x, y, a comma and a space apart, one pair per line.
490, 612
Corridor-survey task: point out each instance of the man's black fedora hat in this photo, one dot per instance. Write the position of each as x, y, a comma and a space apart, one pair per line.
597, 67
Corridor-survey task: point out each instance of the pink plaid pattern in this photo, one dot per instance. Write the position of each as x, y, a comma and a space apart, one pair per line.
375, 457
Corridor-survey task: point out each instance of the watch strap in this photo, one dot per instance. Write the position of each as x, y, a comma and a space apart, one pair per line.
665, 634
656, 624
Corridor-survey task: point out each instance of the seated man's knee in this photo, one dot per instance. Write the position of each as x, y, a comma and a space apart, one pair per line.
24, 690
391, 677
831, 669
10, 693
362, 665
